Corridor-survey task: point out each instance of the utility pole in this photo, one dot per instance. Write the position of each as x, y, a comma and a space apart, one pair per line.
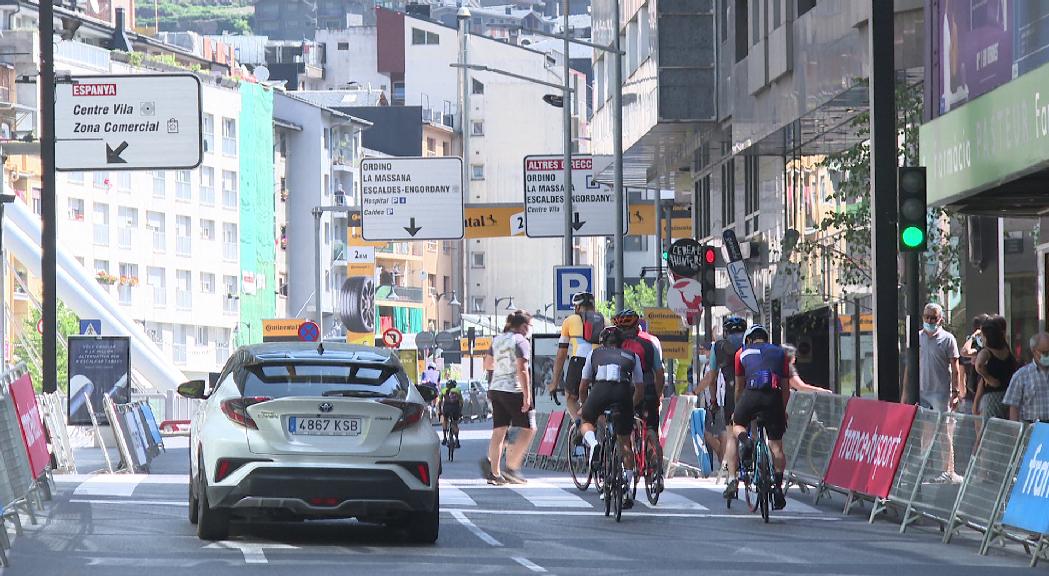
566, 95
883, 209
48, 236
658, 204
617, 156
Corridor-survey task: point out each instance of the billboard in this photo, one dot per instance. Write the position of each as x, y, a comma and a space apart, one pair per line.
356, 299
869, 446
29, 421
98, 366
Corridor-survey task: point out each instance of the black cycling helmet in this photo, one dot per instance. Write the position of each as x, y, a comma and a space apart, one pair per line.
733, 325
451, 384
626, 319
611, 337
756, 331
583, 299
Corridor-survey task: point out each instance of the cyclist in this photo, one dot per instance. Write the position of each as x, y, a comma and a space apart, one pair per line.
762, 377
650, 352
616, 378
451, 410
721, 378
574, 346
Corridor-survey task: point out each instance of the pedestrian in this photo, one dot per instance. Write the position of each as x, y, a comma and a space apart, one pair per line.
1028, 393
511, 396
721, 380
970, 349
939, 368
996, 365
796, 383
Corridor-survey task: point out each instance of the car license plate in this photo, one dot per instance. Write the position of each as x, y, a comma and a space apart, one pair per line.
324, 426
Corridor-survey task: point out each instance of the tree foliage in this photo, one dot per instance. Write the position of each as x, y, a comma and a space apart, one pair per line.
202, 16
637, 297
31, 346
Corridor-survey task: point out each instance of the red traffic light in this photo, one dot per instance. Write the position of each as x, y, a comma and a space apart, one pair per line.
709, 256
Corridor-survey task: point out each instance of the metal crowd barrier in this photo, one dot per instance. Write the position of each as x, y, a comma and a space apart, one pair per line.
677, 433
814, 444
53, 412
531, 456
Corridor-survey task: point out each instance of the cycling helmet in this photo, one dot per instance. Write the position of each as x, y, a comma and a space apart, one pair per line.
626, 319
611, 337
451, 384
733, 325
583, 299
756, 330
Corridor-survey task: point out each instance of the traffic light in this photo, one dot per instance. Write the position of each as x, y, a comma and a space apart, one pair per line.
708, 275
913, 221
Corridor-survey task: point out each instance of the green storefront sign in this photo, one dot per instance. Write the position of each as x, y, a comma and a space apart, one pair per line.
997, 137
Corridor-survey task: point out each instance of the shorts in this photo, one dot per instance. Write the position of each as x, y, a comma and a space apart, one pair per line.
604, 395
766, 404
453, 413
574, 375
649, 409
506, 410
715, 423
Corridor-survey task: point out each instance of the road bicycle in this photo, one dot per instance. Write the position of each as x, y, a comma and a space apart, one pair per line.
757, 475
647, 466
578, 462
453, 438
615, 487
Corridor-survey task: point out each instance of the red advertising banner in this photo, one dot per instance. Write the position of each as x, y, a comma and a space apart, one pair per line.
553, 429
32, 426
664, 426
870, 444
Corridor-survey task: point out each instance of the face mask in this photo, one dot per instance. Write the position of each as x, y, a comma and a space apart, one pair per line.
1044, 360
929, 327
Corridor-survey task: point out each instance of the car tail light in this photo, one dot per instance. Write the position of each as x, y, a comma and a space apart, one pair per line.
329, 502
410, 413
421, 470
226, 466
236, 409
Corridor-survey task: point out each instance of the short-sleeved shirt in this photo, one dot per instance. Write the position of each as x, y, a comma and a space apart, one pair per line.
572, 337
507, 349
1029, 392
590, 369
937, 351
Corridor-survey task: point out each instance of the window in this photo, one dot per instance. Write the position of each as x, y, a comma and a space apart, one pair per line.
477, 172
777, 13
805, 5
631, 46
229, 189
183, 289
101, 224
751, 194
127, 222
102, 266
229, 242
155, 224
422, 37
183, 189
230, 296
207, 229
76, 209
728, 193
100, 179
398, 93
723, 28
476, 259
327, 185
431, 146
156, 279
128, 274
207, 283
160, 184
209, 133
229, 137
477, 87
477, 304
207, 185
202, 336
124, 181
75, 177
342, 46
704, 207
741, 30
446, 148
36, 201
183, 236
635, 244
755, 21
477, 127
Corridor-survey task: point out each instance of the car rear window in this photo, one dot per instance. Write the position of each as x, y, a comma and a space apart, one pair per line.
281, 379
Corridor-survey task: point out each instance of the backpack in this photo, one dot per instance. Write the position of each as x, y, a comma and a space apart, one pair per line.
725, 352
644, 350
593, 326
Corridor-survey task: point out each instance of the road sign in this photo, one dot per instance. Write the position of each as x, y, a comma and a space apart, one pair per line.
569, 281
685, 298
40, 326
737, 273
392, 338
281, 329
412, 198
309, 331
425, 340
593, 204
684, 257
90, 327
666, 325
128, 122
642, 219
482, 345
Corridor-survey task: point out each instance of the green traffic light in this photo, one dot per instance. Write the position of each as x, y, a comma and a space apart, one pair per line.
913, 236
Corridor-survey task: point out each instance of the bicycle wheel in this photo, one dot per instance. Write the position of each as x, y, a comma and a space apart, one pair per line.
606, 488
578, 462
765, 487
638, 445
618, 482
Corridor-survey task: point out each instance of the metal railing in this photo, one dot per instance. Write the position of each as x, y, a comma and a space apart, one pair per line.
124, 237
160, 244
183, 299
229, 251
160, 296
101, 234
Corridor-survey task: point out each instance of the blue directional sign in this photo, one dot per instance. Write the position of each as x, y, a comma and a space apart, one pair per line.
90, 327
569, 281
1029, 500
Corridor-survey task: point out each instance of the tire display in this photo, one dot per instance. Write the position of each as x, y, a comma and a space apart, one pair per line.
356, 306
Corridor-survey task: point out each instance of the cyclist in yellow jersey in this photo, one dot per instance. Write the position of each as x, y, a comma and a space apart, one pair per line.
573, 347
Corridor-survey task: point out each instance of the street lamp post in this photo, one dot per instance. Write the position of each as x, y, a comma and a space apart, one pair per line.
461, 269
437, 304
566, 94
509, 306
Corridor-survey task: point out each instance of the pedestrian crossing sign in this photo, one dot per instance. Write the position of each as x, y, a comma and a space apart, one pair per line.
90, 327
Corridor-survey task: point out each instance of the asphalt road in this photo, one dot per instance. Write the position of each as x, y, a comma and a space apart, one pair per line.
135, 525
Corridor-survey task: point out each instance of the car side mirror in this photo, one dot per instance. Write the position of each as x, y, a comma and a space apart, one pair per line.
428, 393
194, 389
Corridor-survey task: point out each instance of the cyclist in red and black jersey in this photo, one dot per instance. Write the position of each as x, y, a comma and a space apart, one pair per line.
650, 352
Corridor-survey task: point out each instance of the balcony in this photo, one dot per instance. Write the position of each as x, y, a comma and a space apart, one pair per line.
229, 199
229, 306
178, 353
183, 191
405, 294
184, 246
124, 237
229, 251
207, 196
124, 295
160, 296
160, 244
397, 251
101, 234
221, 353
183, 299
82, 53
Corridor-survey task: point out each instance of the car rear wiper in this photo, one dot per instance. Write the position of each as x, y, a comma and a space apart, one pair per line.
355, 394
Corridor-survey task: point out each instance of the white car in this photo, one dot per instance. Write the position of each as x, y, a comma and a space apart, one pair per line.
304, 430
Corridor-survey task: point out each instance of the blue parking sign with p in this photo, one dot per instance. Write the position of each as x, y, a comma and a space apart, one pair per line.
569, 281
1029, 501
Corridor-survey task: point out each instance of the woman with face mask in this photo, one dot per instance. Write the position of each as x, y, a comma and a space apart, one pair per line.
996, 365
970, 349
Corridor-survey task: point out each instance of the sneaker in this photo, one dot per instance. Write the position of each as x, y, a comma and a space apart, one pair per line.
779, 500
457, 444
444, 442
595, 457
943, 478
514, 476
628, 501
486, 468
497, 480
731, 490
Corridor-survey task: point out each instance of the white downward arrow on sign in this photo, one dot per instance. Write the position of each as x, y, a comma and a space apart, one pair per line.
252, 551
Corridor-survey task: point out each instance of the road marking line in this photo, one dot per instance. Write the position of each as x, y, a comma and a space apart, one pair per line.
548, 512
545, 495
484, 536
455, 496
793, 504
528, 564
116, 485
253, 552
670, 501
183, 504
182, 479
